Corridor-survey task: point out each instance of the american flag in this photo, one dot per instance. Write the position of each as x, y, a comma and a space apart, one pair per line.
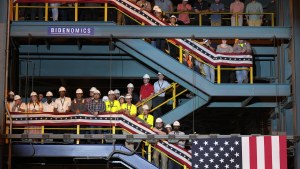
253, 152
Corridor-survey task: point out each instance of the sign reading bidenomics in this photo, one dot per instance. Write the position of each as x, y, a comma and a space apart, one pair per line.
71, 30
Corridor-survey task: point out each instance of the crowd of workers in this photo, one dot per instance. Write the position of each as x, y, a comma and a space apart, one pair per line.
113, 102
182, 8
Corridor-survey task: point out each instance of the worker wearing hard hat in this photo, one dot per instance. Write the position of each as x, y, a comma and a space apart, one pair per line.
34, 105
63, 103
78, 105
129, 108
146, 117
91, 95
49, 105
18, 105
130, 89
112, 105
176, 131
159, 128
10, 100
147, 91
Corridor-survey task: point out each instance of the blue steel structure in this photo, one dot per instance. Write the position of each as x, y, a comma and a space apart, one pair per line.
82, 152
285, 68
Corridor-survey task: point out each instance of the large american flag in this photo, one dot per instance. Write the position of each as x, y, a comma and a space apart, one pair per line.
253, 152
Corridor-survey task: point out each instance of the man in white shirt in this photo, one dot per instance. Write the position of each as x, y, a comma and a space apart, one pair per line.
49, 105
18, 105
159, 87
63, 103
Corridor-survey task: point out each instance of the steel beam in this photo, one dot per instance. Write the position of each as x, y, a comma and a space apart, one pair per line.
81, 151
86, 68
183, 110
103, 30
104, 50
3, 70
200, 83
72, 49
296, 73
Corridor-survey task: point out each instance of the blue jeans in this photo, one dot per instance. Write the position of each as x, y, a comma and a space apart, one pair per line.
242, 75
209, 73
54, 11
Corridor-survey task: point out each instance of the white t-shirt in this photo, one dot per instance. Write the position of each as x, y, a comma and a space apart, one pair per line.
48, 107
34, 106
22, 106
161, 85
180, 143
62, 104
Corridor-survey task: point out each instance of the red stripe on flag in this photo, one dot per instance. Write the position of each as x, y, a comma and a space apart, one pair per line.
253, 152
268, 152
283, 152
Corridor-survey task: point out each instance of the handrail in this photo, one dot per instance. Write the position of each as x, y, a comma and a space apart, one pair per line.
76, 7
86, 119
169, 157
155, 95
250, 69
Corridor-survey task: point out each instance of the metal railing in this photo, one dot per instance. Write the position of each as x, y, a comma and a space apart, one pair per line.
43, 134
172, 88
218, 69
77, 7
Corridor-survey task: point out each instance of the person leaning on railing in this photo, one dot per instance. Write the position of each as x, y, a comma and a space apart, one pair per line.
161, 130
95, 107
254, 19
225, 48
78, 105
112, 105
216, 19
242, 47
183, 8
237, 7
201, 6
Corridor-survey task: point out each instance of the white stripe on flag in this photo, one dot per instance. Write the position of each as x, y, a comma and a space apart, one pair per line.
275, 152
260, 148
245, 152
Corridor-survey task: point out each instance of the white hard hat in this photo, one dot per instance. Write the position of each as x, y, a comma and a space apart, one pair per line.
79, 91
117, 91
146, 107
121, 97
97, 92
158, 10
155, 8
62, 89
146, 76
128, 96
173, 16
105, 98
159, 73
93, 89
168, 126
158, 120
11, 93
130, 85
17, 97
176, 123
49, 93
33, 94
111, 92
